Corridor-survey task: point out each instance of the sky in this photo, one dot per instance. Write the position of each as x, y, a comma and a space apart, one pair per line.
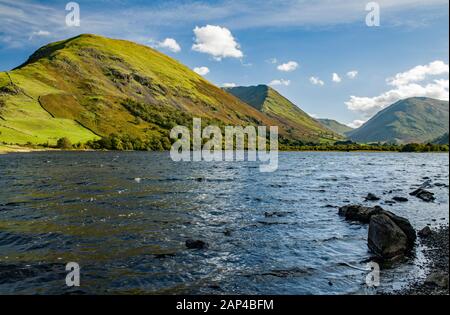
343, 60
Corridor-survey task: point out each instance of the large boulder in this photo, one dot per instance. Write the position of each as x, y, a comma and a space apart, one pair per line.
386, 238
359, 213
405, 226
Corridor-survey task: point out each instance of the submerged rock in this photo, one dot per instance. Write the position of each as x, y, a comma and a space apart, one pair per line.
423, 194
372, 197
400, 199
359, 213
196, 244
386, 238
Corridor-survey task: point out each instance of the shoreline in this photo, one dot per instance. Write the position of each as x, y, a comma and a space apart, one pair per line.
436, 252
6, 148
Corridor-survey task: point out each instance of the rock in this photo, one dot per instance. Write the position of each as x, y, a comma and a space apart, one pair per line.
386, 238
196, 244
425, 232
424, 195
426, 184
400, 199
405, 226
372, 197
359, 213
438, 279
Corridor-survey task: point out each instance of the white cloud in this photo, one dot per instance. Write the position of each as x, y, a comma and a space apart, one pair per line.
316, 81
201, 70
336, 78
39, 33
419, 73
273, 61
315, 116
280, 82
170, 44
356, 123
216, 41
405, 87
288, 67
368, 106
229, 85
352, 74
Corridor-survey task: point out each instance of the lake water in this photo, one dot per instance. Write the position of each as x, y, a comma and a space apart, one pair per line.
129, 235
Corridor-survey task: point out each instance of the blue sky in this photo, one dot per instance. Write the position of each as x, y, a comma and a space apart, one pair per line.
249, 40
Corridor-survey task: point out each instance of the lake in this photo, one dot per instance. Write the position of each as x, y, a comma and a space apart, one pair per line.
125, 217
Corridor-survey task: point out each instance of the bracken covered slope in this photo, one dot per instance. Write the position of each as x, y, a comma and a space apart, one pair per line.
90, 86
276, 106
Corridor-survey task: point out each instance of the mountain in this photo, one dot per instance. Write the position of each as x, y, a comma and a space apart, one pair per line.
336, 126
441, 140
417, 119
90, 86
276, 106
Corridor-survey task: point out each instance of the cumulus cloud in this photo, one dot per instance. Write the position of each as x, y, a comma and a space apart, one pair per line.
216, 41
352, 74
229, 85
356, 123
280, 82
288, 67
405, 86
419, 73
170, 44
316, 81
201, 70
336, 78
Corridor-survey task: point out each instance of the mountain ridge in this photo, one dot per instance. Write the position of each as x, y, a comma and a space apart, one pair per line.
335, 126
90, 86
416, 119
269, 101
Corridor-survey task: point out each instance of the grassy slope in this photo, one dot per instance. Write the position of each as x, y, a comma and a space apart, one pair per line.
278, 107
76, 88
336, 126
444, 139
411, 120
23, 120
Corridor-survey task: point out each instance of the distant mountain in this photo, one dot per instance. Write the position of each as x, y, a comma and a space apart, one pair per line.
276, 106
442, 139
417, 119
90, 86
336, 126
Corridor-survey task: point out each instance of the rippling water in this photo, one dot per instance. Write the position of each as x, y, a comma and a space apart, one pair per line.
273, 233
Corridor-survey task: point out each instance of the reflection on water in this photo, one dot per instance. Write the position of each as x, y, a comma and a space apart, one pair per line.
124, 217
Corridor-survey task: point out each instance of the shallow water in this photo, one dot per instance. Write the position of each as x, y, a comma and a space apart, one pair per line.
128, 235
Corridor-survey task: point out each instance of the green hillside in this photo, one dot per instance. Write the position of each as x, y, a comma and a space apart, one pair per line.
336, 126
276, 106
90, 86
416, 119
444, 139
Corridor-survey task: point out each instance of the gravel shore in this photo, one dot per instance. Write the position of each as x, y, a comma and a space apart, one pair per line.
437, 253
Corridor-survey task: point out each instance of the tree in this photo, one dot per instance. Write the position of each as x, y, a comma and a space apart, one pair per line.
64, 143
